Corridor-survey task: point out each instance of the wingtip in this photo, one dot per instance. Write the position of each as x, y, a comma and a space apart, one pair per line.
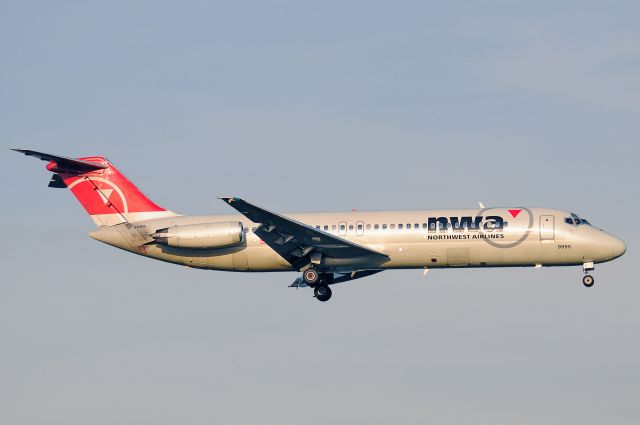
229, 199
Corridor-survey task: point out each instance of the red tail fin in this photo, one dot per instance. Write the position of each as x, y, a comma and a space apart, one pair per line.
104, 192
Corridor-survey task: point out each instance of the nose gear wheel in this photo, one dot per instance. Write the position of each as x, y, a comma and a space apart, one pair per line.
588, 280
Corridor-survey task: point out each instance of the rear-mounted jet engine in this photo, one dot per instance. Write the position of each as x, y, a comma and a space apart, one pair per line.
201, 236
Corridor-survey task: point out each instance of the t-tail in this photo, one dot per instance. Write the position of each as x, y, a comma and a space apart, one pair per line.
104, 192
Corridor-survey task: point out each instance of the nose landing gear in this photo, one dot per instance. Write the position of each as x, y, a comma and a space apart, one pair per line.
588, 280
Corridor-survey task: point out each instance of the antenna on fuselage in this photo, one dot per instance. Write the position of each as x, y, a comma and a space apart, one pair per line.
481, 204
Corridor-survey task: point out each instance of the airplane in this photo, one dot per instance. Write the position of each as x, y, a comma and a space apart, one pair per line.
327, 247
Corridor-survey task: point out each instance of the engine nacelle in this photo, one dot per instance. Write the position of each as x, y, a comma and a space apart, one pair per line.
201, 236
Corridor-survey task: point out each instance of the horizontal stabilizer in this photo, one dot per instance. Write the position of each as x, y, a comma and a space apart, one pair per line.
70, 164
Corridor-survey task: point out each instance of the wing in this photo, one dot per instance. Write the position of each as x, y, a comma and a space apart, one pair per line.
299, 243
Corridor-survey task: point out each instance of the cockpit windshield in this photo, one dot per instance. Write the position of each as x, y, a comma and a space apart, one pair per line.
574, 220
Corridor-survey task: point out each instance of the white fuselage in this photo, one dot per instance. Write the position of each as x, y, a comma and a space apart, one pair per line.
493, 237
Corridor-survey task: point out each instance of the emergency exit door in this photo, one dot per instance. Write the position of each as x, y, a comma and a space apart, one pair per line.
547, 226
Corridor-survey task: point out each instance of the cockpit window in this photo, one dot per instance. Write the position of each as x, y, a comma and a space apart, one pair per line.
574, 220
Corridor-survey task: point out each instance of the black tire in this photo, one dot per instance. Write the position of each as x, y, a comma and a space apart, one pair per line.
322, 293
311, 277
588, 281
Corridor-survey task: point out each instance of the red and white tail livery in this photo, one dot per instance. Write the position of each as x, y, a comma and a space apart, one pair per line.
104, 192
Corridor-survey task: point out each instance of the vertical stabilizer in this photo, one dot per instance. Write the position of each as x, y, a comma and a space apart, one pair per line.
104, 192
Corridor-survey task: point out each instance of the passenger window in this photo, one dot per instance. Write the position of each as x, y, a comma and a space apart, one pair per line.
384, 227
399, 226
416, 226
368, 227
376, 226
408, 226
333, 227
318, 226
424, 225
326, 227
392, 226
351, 227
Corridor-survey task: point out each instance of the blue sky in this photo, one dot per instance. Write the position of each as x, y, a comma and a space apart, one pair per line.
302, 106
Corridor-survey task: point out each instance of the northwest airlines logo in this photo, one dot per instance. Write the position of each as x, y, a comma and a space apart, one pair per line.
467, 223
99, 195
488, 225
105, 194
458, 224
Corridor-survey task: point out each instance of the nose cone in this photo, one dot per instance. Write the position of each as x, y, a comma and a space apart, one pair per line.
613, 247
618, 247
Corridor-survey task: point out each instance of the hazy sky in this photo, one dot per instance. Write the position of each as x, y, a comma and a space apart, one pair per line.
323, 105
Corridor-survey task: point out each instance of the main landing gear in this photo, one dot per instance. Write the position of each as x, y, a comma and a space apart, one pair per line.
588, 280
311, 276
322, 293
319, 282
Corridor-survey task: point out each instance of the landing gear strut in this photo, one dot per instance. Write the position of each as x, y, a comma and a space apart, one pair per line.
588, 280
322, 293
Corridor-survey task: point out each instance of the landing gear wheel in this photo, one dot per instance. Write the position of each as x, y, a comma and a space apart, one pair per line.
588, 281
311, 277
322, 293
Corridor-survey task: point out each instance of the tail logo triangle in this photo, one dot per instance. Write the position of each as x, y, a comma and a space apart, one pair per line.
514, 213
105, 194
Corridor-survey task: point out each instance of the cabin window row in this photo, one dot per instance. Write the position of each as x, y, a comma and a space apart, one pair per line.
351, 227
